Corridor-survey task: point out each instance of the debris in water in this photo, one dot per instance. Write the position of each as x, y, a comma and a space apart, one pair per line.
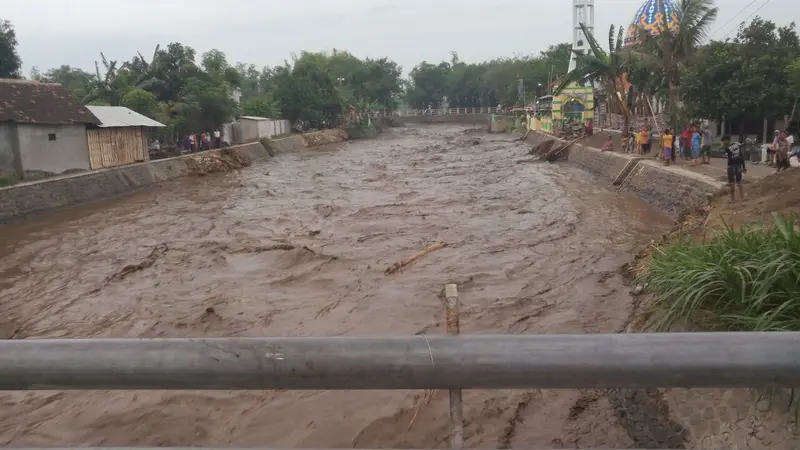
400, 264
151, 259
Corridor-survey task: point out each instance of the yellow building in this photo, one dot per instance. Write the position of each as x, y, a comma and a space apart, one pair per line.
574, 102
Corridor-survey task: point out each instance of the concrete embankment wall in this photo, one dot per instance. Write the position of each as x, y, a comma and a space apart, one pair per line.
670, 189
301, 141
22, 200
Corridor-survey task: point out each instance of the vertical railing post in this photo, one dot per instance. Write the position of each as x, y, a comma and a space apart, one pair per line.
456, 407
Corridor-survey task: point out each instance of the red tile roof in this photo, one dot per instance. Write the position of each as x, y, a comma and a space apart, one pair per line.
24, 101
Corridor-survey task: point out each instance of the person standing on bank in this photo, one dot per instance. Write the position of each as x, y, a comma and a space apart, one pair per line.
736, 166
696, 144
705, 150
666, 143
782, 151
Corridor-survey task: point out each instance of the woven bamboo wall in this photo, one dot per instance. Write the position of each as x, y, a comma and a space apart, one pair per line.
112, 147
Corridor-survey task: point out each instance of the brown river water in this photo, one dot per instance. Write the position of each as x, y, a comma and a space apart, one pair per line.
534, 248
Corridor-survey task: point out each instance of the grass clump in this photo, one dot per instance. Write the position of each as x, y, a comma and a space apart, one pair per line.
745, 279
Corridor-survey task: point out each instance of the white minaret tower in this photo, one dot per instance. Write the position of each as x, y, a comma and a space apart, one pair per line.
582, 12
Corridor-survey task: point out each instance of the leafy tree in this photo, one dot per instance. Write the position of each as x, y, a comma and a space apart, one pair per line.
10, 61
141, 101
669, 52
306, 91
746, 79
79, 81
428, 84
487, 83
264, 106
768, 50
172, 66
216, 66
605, 68
205, 104
793, 76
724, 86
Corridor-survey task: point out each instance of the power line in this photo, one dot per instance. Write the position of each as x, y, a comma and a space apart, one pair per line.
748, 17
735, 16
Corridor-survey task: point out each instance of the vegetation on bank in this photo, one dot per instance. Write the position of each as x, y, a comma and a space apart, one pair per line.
745, 278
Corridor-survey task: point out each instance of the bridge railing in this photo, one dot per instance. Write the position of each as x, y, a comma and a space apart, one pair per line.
441, 112
406, 362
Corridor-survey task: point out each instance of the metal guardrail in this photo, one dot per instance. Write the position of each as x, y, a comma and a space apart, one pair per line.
432, 112
407, 362
412, 362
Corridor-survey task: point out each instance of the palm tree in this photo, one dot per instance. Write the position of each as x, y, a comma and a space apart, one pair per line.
670, 50
604, 68
104, 88
145, 74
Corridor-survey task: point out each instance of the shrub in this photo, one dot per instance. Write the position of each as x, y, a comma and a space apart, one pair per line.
743, 280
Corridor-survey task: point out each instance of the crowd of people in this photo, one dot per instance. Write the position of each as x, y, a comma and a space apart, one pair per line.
192, 143
694, 144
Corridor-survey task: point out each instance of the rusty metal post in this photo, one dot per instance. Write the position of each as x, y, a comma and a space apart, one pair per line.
456, 407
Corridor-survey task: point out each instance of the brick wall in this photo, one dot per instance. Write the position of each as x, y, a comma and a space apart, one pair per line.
19, 201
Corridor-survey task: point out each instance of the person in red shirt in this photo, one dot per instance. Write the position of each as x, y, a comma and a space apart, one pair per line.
686, 145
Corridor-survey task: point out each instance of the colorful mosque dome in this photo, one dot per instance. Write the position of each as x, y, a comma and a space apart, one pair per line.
650, 17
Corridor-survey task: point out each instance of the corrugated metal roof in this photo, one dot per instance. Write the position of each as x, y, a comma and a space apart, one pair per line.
120, 116
253, 118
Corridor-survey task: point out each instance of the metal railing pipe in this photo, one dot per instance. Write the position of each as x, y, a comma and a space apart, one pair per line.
413, 362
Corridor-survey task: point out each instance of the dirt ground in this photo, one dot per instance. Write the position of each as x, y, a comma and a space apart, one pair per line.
298, 246
777, 193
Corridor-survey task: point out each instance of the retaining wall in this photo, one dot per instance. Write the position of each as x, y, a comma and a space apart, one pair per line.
670, 189
301, 141
22, 200
608, 165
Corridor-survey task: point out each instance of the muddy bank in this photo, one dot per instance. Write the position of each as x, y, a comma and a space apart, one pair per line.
24, 200
299, 247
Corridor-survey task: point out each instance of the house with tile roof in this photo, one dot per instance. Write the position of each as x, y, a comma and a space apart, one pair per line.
42, 130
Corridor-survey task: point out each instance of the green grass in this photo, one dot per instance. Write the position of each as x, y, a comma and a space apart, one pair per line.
745, 279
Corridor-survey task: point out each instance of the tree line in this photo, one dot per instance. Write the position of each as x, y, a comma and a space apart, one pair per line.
188, 94
755, 74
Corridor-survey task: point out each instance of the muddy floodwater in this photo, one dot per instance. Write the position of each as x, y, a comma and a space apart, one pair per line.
297, 246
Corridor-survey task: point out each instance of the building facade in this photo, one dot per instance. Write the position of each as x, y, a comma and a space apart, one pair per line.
42, 130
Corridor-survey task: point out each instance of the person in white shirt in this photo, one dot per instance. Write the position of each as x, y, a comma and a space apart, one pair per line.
217, 139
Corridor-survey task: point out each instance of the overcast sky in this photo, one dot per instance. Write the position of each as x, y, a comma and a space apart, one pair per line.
265, 32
